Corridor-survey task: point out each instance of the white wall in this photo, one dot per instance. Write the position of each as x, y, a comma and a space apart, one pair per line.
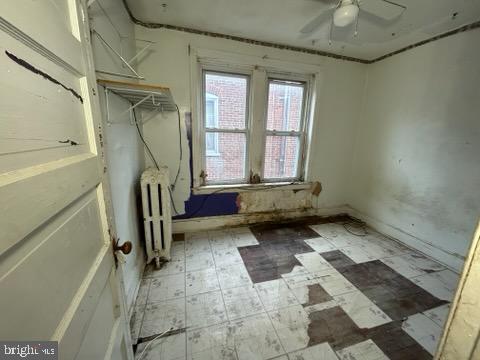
339, 102
124, 151
416, 163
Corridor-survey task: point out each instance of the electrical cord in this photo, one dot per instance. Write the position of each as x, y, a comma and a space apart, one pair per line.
153, 158
151, 341
180, 148
359, 224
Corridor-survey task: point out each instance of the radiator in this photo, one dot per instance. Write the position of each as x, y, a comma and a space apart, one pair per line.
157, 217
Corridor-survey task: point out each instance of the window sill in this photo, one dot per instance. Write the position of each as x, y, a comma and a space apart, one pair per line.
209, 189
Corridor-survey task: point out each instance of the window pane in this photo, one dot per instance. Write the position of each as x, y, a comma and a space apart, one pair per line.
281, 157
211, 115
231, 94
285, 102
229, 161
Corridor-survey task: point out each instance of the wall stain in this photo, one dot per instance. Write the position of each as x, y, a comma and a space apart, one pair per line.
33, 69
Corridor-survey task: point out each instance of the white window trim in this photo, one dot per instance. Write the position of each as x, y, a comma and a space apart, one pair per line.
257, 68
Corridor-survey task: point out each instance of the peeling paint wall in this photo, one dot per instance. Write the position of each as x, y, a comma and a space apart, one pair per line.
168, 63
416, 164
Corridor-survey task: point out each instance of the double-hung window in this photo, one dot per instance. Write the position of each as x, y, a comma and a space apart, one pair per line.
225, 124
252, 126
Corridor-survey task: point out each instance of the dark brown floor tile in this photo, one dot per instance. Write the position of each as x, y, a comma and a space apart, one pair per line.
335, 327
317, 295
396, 295
396, 343
279, 232
337, 259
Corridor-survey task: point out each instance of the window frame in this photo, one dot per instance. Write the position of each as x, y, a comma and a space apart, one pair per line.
204, 130
300, 134
256, 67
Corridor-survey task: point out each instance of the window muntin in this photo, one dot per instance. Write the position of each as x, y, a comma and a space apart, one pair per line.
284, 134
225, 125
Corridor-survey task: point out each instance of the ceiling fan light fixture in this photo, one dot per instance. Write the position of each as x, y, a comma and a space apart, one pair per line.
345, 14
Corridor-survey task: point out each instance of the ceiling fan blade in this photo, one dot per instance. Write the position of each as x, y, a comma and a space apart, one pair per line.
317, 21
378, 21
383, 9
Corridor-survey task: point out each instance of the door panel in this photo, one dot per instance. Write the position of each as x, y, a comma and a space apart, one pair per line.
58, 278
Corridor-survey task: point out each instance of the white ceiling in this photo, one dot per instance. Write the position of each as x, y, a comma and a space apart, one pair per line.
280, 21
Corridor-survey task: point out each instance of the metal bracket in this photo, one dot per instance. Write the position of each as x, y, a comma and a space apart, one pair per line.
125, 62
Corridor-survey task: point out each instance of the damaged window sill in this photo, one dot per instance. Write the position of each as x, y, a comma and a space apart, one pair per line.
209, 189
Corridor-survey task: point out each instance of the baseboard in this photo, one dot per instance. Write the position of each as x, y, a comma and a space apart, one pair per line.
451, 261
216, 222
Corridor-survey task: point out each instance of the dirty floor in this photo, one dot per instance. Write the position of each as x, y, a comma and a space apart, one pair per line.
293, 291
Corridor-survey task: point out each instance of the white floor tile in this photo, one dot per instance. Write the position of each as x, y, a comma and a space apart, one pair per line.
317, 352
255, 338
220, 239
243, 237
162, 316
167, 287
177, 251
394, 248
426, 332
438, 315
201, 281
199, 261
227, 257
334, 283
291, 325
357, 254
320, 244
402, 266
219, 353
366, 350
313, 261
168, 268
435, 286
195, 246
212, 337
143, 290
205, 309
167, 348
447, 278
296, 272
233, 276
242, 302
423, 263
136, 321
275, 294
336, 235
362, 310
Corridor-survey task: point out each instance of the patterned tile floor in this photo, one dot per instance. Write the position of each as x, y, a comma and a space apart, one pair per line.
293, 291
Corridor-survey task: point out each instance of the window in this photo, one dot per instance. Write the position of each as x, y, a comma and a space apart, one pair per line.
225, 124
284, 133
252, 137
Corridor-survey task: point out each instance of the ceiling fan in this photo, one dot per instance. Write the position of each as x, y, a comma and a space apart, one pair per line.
348, 12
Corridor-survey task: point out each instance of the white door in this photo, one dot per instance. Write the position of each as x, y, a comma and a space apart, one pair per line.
58, 279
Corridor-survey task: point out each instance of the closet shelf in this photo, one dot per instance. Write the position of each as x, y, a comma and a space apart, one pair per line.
150, 97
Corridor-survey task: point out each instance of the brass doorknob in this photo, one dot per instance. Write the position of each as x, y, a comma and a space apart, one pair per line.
125, 248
